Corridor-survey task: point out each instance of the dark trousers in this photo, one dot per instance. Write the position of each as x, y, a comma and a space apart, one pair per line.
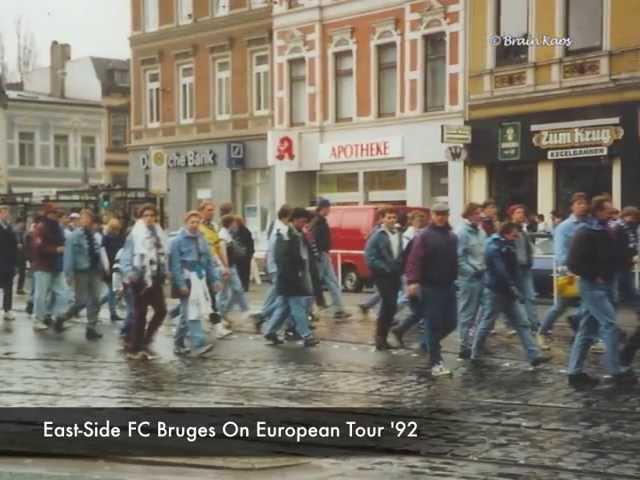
440, 312
7, 294
630, 348
244, 272
142, 333
388, 287
22, 274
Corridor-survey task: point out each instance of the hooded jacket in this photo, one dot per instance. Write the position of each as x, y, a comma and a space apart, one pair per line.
471, 248
379, 254
502, 264
48, 236
293, 277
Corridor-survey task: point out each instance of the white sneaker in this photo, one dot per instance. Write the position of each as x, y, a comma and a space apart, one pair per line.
598, 347
9, 316
440, 370
226, 323
200, 352
220, 331
40, 326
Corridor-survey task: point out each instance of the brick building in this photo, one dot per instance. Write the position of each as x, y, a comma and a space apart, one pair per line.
201, 92
361, 90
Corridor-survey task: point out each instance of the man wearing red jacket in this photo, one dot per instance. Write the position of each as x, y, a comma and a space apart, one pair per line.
48, 250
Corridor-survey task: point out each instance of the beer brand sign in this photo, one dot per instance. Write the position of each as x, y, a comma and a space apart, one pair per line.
368, 150
578, 137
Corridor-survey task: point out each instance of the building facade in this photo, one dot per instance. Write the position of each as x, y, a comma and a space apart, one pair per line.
362, 88
201, 93
557, 112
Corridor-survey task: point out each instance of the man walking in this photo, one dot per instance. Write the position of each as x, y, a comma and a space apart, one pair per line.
8, 262
322, 234
471, 268
562, 238
51, 296
503, 294
293, 283
594, 257
84, 271
524, 253
432, 269
383, 254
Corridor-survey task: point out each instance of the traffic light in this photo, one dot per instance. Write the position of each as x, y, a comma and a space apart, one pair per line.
105, 200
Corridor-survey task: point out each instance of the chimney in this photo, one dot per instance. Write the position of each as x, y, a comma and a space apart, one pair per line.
60, 55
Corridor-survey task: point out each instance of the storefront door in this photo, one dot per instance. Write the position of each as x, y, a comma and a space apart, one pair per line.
515, 182
592, 176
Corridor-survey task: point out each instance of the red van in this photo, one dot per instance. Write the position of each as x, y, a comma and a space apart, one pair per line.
350, 227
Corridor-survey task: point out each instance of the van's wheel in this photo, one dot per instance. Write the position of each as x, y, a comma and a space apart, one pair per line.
351, 282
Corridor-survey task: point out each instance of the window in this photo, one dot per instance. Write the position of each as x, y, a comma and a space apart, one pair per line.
344, 86
338, 183
88, 152
186, 93
185, 11
61, 151
513, 20
121, 77
223, 88
435, 72
153, 99
387, 79
150, 15
584, 25
221, 7
119, 122
298, 91
26, 149
261, 83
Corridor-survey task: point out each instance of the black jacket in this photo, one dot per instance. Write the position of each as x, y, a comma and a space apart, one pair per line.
243, 237
293, 278
322, 233
594, 253
433, 260
8, 253
627, 239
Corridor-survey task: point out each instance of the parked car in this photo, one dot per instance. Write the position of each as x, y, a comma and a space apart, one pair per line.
543, 264
350, 227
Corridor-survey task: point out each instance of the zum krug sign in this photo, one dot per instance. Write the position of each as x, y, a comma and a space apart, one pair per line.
577, 142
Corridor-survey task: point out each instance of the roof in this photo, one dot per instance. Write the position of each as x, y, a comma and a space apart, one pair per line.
103, 65
34, 97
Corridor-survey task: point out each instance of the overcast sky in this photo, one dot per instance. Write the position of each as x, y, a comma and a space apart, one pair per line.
97, 28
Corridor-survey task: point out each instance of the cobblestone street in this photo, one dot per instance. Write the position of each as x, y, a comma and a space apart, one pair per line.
502, 421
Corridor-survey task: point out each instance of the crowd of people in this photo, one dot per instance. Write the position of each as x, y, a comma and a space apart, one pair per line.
463, 279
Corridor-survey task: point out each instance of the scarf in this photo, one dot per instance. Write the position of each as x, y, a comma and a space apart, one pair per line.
94, 254
149, 251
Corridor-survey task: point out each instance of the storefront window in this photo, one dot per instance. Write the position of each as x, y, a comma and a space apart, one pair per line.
438, 181
338, 183
592, 176
198, 188
513, 182
254, 199
388, 180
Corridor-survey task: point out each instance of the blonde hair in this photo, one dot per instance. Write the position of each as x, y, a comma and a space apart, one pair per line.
114, 225
191, 213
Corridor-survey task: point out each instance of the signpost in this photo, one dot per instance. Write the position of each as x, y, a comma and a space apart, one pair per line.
456, 134
509, 140
158, 173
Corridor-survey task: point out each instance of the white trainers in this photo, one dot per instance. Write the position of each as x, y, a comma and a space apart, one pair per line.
440, 370
598, 347
40, 326
9, 316
220, 331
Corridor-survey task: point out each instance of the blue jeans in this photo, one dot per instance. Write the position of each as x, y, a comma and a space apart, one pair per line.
232, 293
270, 301
496, 304
414, 318
470, 298
295, 307
440, 311
555, 312
373, 300
329, 280
51, 294
191, 327
525, 285
599, 316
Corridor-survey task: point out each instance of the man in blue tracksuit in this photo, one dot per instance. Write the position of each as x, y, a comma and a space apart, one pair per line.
471, 268
503, 294
383, 254
562, 237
